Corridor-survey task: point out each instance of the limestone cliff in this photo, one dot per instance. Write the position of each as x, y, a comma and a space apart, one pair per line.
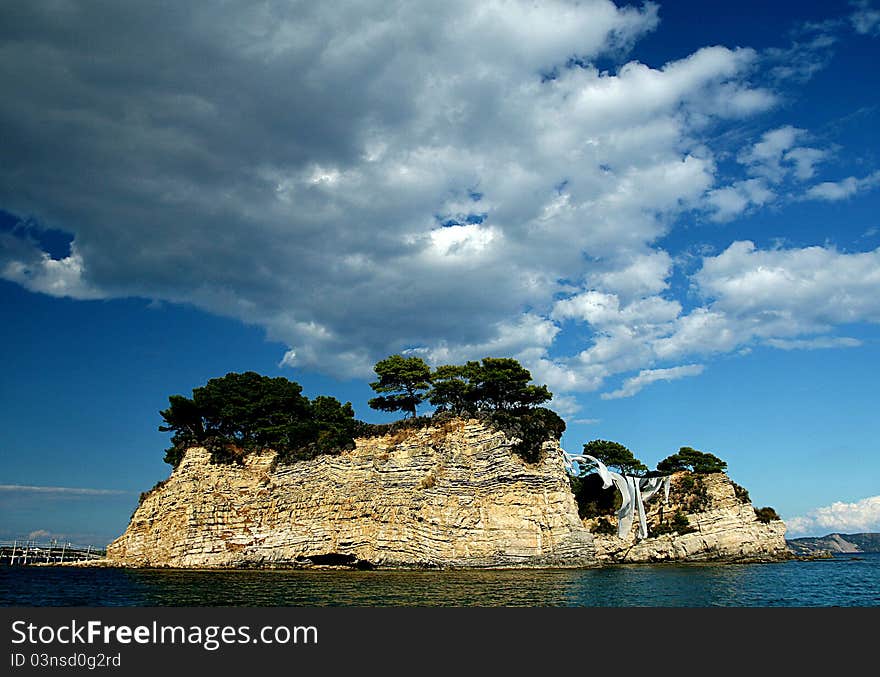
449, 495
721, 526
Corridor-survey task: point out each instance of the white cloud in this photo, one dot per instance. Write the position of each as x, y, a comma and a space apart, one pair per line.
648, 376
861, 516
866, 19
805, 161
803, 58
784, 298
843, 189
799, 288
443, 181
771, 161
638, 275
730, 201
587, 421
815, 343
564, 405
348, 169
37, 271
775, 156
39, 534
58, 491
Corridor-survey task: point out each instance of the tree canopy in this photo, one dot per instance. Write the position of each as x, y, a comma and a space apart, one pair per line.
615, 455
688, 458
494, 384
242, 412
496, 387
407, 379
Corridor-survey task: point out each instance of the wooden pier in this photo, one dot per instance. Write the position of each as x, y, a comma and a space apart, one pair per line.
29, 552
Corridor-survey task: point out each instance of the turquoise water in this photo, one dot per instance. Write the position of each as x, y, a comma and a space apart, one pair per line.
845, 580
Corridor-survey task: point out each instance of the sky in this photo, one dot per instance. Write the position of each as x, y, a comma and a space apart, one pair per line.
667, 211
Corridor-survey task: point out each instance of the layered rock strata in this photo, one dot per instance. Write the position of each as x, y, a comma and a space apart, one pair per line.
448, 495
452, 495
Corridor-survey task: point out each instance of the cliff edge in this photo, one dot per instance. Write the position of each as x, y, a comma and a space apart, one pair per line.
447, 495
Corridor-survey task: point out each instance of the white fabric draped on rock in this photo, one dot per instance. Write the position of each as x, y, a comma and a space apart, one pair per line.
634, 491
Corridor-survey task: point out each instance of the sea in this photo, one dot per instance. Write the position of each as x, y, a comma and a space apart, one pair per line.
843, 581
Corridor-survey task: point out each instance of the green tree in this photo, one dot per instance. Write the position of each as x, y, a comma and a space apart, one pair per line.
451, 388
241, 412
335, 424
251, 410
183, 418
406, 379
688, 458
502, 384
615, 455
533, 427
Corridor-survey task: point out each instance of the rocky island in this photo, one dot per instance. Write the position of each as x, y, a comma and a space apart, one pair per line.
447, 495
265, 477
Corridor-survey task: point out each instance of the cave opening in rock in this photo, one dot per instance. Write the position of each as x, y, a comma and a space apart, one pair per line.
592, 500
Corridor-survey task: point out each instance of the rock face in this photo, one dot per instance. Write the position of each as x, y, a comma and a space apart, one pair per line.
449, 495
446, 496
725, 528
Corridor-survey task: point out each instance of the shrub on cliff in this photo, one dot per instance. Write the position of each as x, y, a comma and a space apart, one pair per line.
239, 413
678, 524
533, 427
690, 459
741, 493
766, 514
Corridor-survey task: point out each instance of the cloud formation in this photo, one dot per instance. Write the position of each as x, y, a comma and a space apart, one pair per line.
60, 492
833, 191
865, 19
455, 181
647, 376
861, 516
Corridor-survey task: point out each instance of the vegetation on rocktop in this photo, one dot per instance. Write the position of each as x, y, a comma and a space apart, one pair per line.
766, 514
677, 524
594, 501
496, 389
240, 413
690, 459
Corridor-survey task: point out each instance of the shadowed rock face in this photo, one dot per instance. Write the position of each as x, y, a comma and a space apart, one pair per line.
451, 495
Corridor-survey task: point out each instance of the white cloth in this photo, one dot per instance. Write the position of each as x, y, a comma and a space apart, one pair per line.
634, 491
625, 512
640, 506
583, 460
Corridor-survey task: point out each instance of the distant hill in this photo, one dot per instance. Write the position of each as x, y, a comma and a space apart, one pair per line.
869, 542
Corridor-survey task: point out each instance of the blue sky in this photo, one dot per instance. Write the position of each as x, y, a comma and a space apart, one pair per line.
668, 212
